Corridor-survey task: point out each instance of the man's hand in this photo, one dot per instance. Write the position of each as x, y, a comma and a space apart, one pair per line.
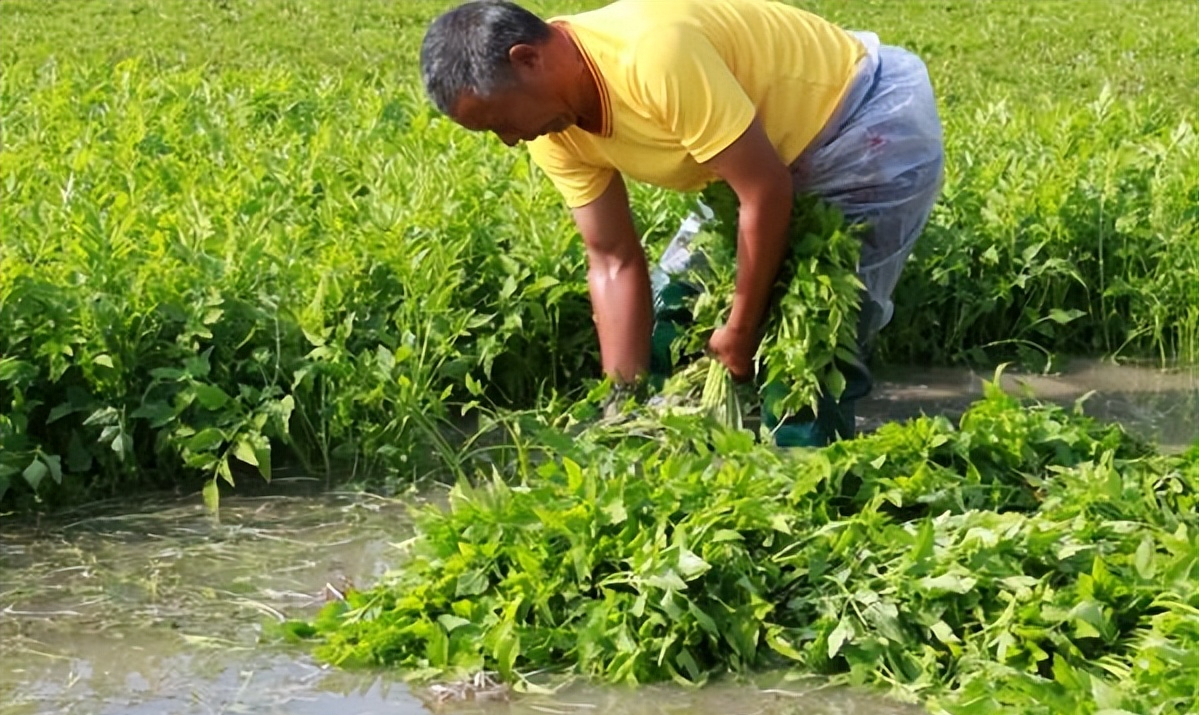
735, 349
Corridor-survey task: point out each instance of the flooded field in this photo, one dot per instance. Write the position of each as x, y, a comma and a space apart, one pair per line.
157, 609
159, 613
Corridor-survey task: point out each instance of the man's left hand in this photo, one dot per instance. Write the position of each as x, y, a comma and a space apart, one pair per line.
735, 349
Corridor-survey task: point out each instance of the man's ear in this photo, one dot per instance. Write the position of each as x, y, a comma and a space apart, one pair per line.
526, 58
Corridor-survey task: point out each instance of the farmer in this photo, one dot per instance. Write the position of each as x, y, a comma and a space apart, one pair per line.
679, 93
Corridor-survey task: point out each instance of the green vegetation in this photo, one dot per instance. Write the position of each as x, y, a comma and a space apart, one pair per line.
235, 234
227, 243
1028, 560
815, 303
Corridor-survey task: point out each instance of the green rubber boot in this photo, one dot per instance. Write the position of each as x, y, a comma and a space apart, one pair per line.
833, 419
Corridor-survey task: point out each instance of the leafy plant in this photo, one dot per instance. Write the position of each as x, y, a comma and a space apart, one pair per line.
202, 183
810, 331
1026, 558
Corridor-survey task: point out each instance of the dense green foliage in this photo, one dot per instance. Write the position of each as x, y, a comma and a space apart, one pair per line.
236, 230
231, 231
1026, 560
814, 305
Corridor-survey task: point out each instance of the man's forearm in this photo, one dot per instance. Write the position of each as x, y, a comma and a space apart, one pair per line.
762, 239
620, 299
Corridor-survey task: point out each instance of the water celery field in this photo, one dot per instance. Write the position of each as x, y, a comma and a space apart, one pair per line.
234, 237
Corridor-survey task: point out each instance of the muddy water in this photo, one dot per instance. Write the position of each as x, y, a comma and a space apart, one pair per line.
159, 613
1161, 405
156, 609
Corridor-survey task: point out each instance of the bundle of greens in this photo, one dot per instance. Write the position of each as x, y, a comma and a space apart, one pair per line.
1027, 559
814, 305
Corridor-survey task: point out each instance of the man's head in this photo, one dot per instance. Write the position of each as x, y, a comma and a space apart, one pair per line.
488, 65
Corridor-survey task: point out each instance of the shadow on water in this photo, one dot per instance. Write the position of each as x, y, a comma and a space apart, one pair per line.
157, 608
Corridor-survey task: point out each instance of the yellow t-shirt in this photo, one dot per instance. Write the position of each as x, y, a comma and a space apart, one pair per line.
680, 80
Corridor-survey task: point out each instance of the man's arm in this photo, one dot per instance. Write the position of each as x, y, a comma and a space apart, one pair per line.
619, 281
754, 171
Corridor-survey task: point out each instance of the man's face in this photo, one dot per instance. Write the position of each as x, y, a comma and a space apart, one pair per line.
514, 114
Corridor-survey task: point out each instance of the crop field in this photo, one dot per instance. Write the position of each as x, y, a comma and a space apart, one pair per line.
235, 238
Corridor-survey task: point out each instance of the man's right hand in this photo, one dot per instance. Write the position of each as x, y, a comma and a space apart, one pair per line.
618, 277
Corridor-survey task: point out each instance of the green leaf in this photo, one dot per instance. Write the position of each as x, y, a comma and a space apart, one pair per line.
245, 451
1090, 621
841, 635
212, 496
471, 583
691, 566
54, 463
615, 512
103, 416
60, 411
723, 535
944, 633
450, 622
210, 396
385, 359
1145, 559
884, 616
35, 472
685, 659
437, 647
922, 546
205, 440
14, 370
780, 645
197, 366
507, 649
1062, 317
948, 583
703, 619
262, 451
158, 413
667, 580
836, 382
1106, 696
223, 470
103, 359
118, 445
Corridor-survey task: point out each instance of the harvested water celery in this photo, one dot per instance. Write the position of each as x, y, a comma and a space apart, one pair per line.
812, 320
1026, 560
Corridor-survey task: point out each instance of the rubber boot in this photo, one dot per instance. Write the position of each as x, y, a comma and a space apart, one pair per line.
834, 418
670, 295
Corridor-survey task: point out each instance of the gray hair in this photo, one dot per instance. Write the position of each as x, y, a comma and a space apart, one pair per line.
466, 49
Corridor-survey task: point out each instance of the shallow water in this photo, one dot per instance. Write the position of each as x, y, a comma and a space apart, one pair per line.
158, 613
1160, 405
156, 609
